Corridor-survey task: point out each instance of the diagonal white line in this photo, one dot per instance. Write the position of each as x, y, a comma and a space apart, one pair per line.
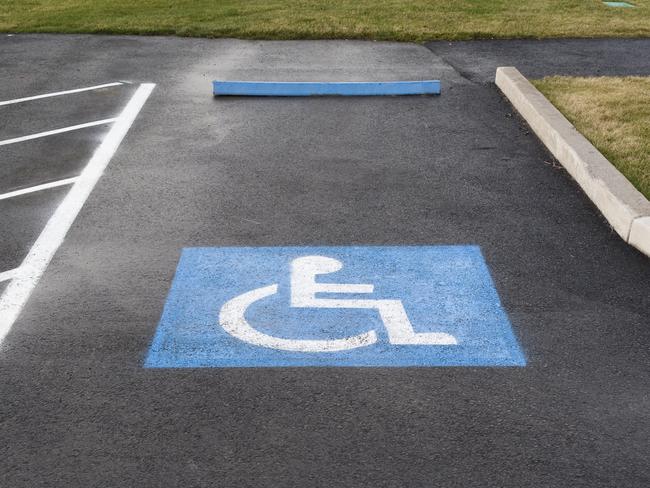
33, 266
8, 275
56, 131
32, 189
56, 94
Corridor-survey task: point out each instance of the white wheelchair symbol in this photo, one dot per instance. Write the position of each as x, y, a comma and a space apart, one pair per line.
303, 295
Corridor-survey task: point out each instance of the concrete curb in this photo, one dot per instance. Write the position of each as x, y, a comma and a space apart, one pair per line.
624, 207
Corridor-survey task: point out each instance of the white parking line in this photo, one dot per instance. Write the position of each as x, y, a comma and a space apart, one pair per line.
8, 275
56, 94
32, 189
56, 131
33, 266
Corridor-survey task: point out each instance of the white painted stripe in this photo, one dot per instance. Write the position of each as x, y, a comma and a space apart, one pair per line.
56, 131
8, 275
57, 94
18, 291
32, 189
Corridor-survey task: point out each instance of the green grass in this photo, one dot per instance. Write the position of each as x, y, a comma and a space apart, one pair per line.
403, 20
614, 114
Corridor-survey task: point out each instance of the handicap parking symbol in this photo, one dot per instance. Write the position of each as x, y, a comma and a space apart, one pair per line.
333, 306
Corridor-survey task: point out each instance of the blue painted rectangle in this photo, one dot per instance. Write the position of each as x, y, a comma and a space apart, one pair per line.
445, 289
618, 4
306, 89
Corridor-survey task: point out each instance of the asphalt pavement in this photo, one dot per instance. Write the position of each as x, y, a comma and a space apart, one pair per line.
80, 409
478, 60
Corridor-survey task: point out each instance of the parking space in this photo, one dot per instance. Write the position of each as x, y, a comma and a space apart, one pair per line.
23, 218
50, 143
49, 159
215, 191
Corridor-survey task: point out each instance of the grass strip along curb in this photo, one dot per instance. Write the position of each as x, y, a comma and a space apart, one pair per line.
396, 20
624, 207
613, 112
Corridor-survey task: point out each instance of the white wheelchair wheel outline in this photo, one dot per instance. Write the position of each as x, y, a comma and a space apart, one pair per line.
231, 318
